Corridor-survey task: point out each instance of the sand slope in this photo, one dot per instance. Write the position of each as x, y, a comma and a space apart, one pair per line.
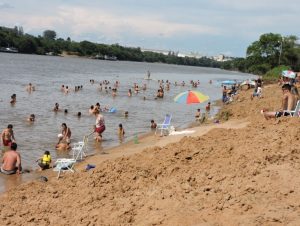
244, 176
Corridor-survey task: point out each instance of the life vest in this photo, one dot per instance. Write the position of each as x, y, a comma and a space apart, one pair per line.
46, 159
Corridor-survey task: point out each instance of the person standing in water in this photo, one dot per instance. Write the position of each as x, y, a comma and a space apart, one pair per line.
99, 127
8, 136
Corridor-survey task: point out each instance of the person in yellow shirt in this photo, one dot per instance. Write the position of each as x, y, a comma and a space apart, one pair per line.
45, 161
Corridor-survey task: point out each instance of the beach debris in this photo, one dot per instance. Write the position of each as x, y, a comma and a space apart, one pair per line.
43, 179
89, 166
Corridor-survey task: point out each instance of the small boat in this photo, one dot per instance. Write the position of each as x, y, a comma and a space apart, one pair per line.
9, 50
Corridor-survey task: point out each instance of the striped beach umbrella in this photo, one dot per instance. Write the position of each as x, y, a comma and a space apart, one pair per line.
191, 97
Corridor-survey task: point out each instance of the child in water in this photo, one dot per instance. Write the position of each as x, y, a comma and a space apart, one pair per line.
121, 130
45, 161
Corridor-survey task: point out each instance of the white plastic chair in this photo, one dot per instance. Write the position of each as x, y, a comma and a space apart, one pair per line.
64, 164
296, 112
67, 164
165, 126
79, 149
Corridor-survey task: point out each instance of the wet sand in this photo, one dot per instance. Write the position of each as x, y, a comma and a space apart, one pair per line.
240, 172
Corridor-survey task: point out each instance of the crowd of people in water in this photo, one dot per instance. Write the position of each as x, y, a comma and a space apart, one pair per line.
12, 159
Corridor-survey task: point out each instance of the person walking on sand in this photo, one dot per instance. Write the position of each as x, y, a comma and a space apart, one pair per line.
288, 103
8, 136
11, 162
99, 127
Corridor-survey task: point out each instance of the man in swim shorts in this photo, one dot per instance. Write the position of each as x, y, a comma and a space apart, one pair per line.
8, 135
11, 162
288, 104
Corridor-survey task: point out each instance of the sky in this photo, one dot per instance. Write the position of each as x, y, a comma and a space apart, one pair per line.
206, 27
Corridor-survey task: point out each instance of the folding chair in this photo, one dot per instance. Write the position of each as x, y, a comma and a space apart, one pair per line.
64, 164
165, 126
296, 112
79, 149
67, 164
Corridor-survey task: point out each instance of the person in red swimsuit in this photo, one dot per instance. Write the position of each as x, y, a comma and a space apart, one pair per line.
8, 136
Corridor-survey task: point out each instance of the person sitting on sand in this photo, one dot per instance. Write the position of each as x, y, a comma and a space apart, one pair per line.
257, 92
99, 127
121, 130
31, 118
65, 136
8, 136
11, 162
153, 124
45, 161
288, 103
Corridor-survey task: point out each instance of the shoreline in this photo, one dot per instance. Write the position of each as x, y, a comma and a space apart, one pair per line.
30, 174
242, 171
112, 152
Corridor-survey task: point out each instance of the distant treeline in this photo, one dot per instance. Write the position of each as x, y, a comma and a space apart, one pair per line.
49, 44
267, 56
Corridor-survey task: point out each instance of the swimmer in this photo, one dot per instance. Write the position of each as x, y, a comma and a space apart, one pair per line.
121, 130
207, 108
91, 110
198, 114
66, 111
13, 99
31, 118
126, 114
66, 90
79, 114
129, 93
153, 124
30, 88
56, 107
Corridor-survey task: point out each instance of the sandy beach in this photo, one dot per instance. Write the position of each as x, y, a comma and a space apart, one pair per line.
239, 172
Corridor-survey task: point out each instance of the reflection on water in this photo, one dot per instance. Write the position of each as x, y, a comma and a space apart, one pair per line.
48, 74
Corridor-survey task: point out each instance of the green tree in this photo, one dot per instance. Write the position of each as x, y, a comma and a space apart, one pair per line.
49, 34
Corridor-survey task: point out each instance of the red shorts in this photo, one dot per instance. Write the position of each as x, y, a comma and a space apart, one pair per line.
7, 142
100, 129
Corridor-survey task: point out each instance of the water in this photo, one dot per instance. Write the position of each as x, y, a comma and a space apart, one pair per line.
49, 73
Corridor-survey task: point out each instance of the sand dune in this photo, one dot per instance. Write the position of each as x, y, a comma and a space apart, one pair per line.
240, 172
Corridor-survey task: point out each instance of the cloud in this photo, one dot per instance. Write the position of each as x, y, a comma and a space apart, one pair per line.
108, 23
5, 6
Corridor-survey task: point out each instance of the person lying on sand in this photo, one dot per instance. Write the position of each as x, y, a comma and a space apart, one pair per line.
288, 103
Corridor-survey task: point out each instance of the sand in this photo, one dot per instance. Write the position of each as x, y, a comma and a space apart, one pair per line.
240, 172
